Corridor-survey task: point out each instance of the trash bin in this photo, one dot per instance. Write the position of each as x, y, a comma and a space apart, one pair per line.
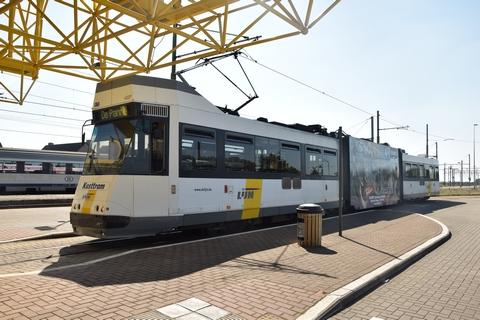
309, 225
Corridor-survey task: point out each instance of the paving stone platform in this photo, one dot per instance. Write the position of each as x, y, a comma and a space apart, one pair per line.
33, 222
259, 275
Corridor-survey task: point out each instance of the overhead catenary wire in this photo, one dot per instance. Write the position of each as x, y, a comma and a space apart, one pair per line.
307, 85
53, 84
361, 127
48, 123
42, 115
342, 101
58, 100
56, 106
41, 133
358, 123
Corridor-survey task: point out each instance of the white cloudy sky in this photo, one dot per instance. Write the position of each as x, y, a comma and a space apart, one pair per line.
416, 62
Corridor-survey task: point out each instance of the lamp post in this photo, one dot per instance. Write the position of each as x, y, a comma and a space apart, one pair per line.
474, 173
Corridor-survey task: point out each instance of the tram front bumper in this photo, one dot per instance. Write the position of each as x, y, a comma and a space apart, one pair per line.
98, 226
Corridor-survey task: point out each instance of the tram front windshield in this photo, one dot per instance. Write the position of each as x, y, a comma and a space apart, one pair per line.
126, 146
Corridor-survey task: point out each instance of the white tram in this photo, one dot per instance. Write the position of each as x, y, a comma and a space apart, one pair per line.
164, 158
420, 177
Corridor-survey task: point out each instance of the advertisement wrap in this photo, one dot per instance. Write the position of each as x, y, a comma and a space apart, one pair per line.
374, 174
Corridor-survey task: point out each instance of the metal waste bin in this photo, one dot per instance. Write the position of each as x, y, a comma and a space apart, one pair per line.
309, 225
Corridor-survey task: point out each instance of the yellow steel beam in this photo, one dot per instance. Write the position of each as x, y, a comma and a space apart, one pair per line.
8, 6
106, 39
18, 67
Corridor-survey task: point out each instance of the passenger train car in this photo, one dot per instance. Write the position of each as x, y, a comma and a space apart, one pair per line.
28, 171
163, 158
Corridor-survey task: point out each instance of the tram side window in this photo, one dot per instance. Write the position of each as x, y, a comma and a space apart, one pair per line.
239, 153
408, 170
290, 158
422, 171
330, 163
431, 173
33, 167
427, 172
198, 149
414, 171
267, 155
436, 176
314, 164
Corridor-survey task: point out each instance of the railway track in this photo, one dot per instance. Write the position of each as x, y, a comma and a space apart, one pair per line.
15, 255
27, 256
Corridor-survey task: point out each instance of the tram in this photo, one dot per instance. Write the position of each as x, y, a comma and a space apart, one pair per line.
163, 158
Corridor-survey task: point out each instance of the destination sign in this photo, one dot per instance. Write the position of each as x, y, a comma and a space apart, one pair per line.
113, 113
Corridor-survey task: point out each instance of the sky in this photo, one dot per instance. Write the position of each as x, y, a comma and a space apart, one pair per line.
417, 62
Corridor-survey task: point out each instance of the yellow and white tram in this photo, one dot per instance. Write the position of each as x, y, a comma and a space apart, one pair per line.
163, 158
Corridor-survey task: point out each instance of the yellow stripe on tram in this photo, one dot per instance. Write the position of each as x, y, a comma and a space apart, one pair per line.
87, 204
252, 197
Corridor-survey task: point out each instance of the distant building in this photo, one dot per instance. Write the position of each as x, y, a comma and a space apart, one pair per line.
74, 147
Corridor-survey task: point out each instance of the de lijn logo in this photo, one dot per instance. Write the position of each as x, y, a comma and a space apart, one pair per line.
247, 193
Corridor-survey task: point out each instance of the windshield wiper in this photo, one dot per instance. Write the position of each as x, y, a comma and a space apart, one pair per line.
91, 163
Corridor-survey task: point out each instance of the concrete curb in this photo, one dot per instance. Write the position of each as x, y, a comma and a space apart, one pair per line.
342, 297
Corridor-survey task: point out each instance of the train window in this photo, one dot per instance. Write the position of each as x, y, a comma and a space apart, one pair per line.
239, 153
408, 170
8, 166
421, 173
198, 150
59, 168
290, 158
436, 176
313, 161
431, 173
77, 168
414, 171
330, 163
33, 167
427, 172
267, 155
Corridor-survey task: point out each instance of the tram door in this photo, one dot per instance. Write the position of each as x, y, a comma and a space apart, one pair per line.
152, 189
158, 155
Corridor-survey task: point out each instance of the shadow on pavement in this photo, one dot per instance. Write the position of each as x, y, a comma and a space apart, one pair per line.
321, 250
429, 206
173, 261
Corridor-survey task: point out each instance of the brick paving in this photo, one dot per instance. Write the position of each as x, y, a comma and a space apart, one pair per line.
29, 222
443, 285
258, 275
